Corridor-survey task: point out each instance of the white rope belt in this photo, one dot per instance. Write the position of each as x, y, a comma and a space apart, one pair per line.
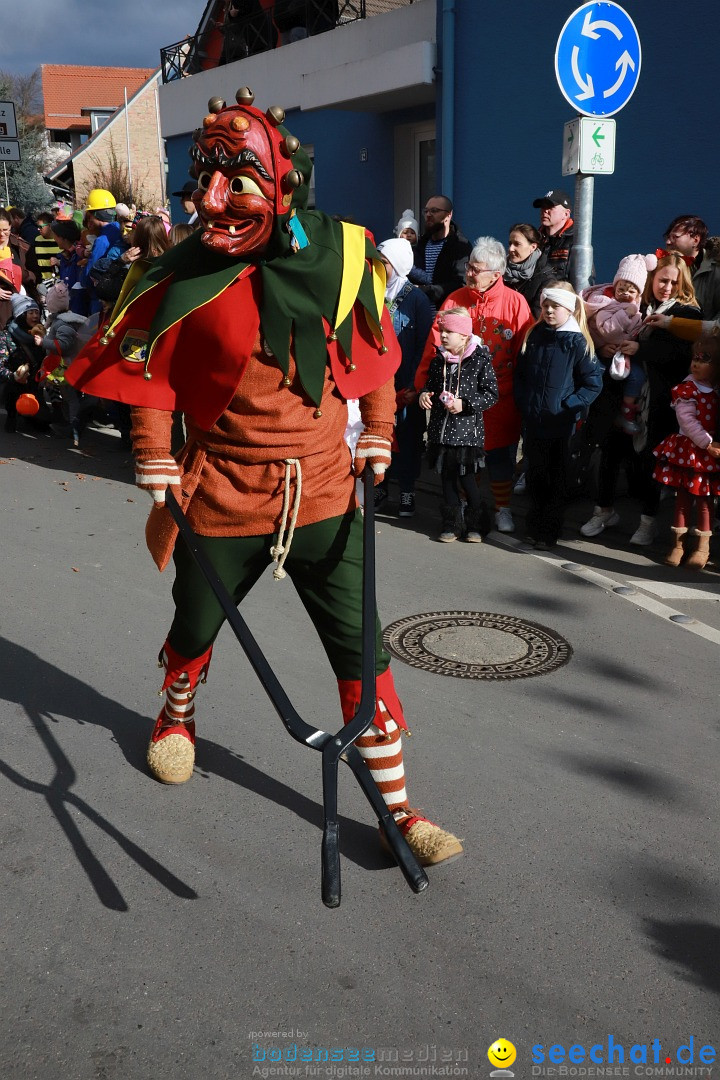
281, 550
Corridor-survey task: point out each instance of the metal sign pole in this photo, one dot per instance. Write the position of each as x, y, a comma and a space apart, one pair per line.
581, 259
597, 65
7, 189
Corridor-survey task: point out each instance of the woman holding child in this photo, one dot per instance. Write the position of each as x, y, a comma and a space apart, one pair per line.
666, 361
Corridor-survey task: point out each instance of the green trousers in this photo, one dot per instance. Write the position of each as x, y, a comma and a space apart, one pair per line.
325, 566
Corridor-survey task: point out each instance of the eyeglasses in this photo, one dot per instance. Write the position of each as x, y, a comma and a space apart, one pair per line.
435, 210
476, 271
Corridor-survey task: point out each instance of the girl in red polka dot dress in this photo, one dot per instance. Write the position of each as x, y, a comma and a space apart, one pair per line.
689, 461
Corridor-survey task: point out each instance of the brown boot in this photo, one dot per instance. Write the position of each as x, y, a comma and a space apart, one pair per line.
677, 552
699, 557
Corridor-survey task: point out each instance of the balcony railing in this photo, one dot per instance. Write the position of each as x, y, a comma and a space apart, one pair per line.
223, 39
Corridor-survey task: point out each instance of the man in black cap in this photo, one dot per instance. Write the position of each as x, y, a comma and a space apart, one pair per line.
556, 230
185, 197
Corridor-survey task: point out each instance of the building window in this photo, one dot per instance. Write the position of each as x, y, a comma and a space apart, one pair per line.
97, 119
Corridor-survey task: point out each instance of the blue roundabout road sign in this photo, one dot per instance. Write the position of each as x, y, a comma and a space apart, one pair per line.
597, 59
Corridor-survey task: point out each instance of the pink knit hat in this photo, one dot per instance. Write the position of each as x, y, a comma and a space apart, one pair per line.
635, 269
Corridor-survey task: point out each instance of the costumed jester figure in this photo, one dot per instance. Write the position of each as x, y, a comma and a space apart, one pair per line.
259, 327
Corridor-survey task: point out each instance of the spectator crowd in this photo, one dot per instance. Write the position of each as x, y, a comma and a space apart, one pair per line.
504, 367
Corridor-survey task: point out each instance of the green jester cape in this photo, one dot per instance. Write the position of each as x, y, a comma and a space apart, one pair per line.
185, 326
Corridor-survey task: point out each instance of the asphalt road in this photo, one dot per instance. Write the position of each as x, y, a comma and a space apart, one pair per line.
156, 931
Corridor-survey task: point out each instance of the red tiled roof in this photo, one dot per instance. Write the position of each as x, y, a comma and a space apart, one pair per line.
68, 89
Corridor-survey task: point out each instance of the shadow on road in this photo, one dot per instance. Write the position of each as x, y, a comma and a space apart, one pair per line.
100, 455
630, 778
42, 690
692, 946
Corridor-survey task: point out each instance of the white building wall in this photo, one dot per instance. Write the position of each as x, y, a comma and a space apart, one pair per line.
379, 63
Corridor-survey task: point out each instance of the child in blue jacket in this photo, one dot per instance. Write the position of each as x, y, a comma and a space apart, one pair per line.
556, 380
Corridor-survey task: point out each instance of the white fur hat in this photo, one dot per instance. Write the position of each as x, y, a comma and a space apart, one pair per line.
407, 221
635, 269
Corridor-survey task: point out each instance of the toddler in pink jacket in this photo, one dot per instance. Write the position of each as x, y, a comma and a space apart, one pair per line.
614, 315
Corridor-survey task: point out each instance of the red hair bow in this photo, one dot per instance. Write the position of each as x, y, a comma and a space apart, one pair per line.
687, 259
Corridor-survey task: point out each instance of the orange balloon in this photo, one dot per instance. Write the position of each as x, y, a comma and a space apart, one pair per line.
27, 405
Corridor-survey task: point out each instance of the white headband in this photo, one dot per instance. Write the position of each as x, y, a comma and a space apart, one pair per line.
562, 297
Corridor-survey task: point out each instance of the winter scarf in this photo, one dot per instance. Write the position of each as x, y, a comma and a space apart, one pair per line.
524, 270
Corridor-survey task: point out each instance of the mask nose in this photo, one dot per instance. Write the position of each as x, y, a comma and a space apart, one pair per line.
214, 201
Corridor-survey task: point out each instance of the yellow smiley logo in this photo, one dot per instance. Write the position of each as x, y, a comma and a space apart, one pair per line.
502, 1053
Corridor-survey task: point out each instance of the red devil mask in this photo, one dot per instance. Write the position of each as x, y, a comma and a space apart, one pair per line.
245, 174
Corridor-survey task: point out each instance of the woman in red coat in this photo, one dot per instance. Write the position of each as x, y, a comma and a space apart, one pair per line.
500, 318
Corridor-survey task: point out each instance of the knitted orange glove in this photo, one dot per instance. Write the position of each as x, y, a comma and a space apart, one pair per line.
373, 450
154, 476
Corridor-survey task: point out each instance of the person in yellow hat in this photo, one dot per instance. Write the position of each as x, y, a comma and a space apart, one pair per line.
100, 214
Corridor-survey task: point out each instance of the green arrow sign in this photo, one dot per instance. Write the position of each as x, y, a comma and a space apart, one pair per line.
597, 137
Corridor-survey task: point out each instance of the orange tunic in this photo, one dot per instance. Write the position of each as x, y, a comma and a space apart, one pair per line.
234, 474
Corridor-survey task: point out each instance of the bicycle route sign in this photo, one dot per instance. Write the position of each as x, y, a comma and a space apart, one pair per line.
598, 58
588, 146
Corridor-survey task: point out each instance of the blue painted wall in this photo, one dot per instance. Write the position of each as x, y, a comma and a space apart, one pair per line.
510, 115
509, 119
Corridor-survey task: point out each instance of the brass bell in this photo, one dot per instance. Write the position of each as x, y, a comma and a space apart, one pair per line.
275, 114
317, 414
384, 349
292, 180
289, 145
215, 104
287, 381
244, 96
332, 336
104, 340
352, 367
147, 376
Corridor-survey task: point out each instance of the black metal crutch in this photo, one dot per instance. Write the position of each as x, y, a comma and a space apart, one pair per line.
333, 748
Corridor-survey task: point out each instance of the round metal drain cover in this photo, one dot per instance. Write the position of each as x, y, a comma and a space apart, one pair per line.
476, 645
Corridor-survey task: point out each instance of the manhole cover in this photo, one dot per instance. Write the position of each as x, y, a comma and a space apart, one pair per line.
476, 645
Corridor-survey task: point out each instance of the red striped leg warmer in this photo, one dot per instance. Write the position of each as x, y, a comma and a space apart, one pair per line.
181, 678
380, 746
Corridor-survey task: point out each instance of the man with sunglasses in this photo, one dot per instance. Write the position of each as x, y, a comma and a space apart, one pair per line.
441, 253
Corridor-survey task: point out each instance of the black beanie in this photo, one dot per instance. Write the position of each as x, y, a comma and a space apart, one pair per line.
68, 230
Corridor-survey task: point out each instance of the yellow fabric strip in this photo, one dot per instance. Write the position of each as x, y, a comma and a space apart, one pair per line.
353, 268
136, 271
379, 282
